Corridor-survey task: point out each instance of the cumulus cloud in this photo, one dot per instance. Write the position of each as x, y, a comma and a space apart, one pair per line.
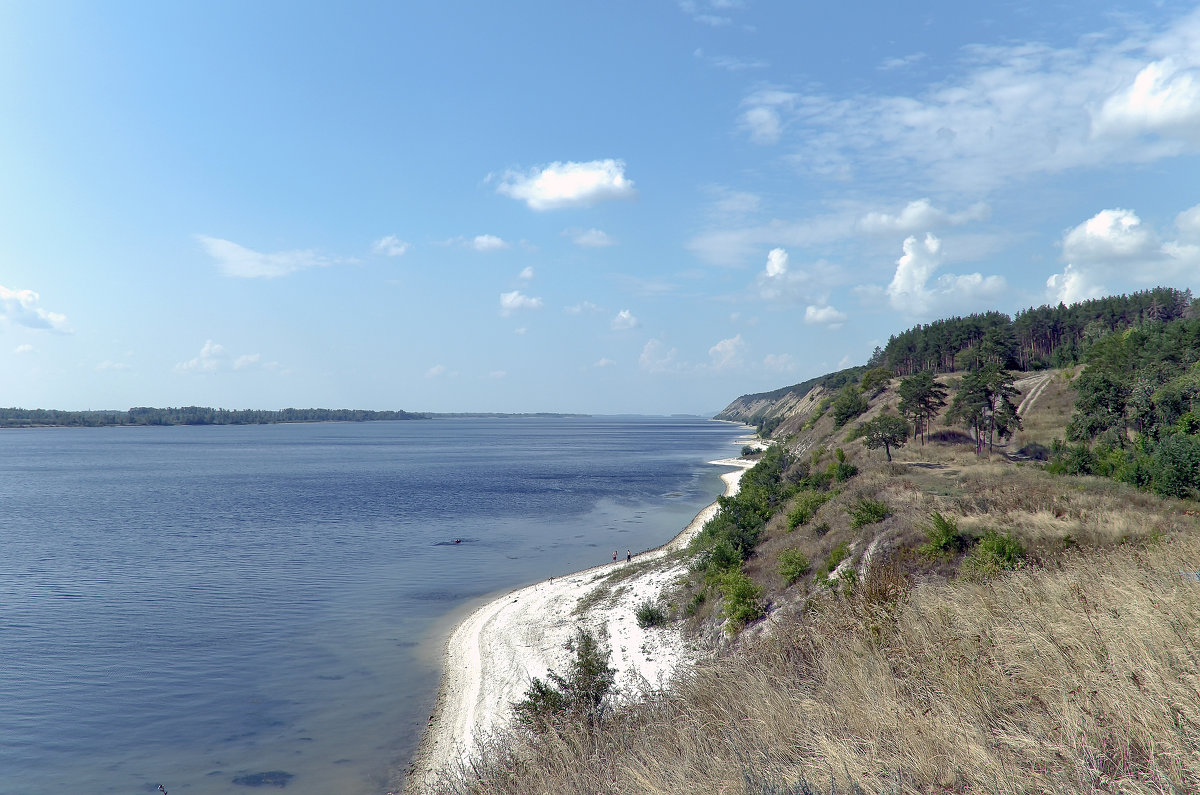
604, 362
437, 371
726, 353
246, 361
488, 243
22, 307
211, 357
1114, 245
21, 350
919, 215
526, 273
624, 321
590, 238
912, 292
1163, 99
244, 263
568, 184
656, 357
823, 316
777, 263
516, 300
390, 246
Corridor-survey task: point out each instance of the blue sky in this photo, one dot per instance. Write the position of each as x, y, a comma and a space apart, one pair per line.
621, 206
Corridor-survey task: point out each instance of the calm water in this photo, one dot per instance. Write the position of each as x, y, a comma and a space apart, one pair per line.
190, 605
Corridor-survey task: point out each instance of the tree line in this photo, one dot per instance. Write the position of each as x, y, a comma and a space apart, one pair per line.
190, 415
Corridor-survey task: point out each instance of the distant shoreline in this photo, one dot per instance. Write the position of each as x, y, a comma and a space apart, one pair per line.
203, 415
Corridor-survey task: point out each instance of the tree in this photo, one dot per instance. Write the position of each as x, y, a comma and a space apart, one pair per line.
921, 397
849, 403
875, 380
886, 431
984, 402
581, 694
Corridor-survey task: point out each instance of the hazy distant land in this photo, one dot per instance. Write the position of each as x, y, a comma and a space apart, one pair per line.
202, 415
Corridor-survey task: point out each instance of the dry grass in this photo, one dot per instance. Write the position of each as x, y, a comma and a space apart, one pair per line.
1080, 677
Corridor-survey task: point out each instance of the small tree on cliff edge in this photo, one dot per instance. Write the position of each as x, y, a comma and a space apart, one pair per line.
886, 431
580, 695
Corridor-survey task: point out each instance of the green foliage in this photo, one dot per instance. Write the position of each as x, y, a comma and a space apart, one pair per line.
835, 558
650, 614
580, 695
807, 504
792, 565
1176, 466
921, 397
728, 538
994, 553
876, 380
867, 511
886, 431
850, 403
743, 599
748, 450
984, 404
942, 537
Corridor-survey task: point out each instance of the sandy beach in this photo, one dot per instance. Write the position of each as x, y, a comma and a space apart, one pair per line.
493, 654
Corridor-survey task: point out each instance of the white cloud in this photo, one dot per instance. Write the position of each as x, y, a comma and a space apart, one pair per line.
437, 371
726, 353
521, 332
21, 307
902, 61
777, 263
111, 366
497, 374
211, 357
21, 350
1008, 112
823, 316
516, 300
568, 184
656, 357
488, 243
1114, 247
244, 263
733, 203
624, 321
604, 362
912, 293
917, 216
590, 238
780, 362
578, 309
526, 273
390, 246
246, 361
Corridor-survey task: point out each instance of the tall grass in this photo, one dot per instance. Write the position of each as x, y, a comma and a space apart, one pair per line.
1080, 676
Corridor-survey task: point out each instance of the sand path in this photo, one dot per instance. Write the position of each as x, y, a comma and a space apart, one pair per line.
495, 652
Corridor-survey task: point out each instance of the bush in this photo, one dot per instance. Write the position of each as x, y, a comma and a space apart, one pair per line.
743, 599
867, 511
1176, 466
580, 695
836, 556
942, 537
994, 553
806, 507
650, 614
792, 565
850, 403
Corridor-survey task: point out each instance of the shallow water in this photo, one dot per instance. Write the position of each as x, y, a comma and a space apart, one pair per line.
191, 605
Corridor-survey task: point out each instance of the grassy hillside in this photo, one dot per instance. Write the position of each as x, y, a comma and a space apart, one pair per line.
944, 622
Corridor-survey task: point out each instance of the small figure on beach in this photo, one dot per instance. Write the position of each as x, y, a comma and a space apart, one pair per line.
628, 556
614, 556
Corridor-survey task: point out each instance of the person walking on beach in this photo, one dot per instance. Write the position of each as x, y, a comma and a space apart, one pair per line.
614, 556
628, 556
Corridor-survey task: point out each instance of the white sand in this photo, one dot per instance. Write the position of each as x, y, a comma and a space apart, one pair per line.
493, 654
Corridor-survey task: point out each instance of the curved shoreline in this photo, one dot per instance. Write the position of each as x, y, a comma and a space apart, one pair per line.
492, 655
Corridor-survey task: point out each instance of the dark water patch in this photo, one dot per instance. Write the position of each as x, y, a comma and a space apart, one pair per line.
271, 778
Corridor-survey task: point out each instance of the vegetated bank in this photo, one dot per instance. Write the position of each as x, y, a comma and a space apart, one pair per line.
204, 415
960, 618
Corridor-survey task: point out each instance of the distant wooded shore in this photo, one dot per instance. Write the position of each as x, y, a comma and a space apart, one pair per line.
202, 415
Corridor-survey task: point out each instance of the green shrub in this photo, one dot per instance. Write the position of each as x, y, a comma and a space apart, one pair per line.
650, 614
942, 537
743, 599
994, 553
836, 556
867, 511
580, 695
807, 504
792, 565
693, 605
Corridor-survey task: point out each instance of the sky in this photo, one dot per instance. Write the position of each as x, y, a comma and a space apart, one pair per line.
618, 206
